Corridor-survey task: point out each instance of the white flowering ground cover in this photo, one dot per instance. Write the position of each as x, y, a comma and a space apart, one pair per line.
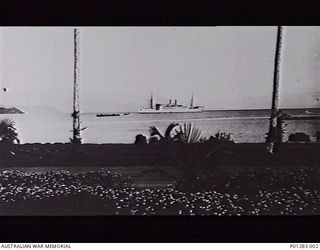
61, 192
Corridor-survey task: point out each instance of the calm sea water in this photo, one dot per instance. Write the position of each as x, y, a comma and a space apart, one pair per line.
245, 125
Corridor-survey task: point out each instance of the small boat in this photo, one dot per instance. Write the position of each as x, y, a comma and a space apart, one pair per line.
311, 113
103, 115
111, 114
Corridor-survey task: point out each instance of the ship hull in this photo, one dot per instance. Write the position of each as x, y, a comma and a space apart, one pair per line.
154, 111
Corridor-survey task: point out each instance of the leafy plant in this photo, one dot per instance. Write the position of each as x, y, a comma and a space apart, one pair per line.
188, 133
218, 137
8, 132
168, 135
299, 137
198, 155
275, 135
190, 155
280, 128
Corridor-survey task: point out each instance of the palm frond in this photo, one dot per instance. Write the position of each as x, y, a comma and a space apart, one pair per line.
169, 129
9, 123
8, 132
189, 133
155, 131
177, 134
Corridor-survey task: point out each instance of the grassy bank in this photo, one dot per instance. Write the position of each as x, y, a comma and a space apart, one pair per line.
239, 154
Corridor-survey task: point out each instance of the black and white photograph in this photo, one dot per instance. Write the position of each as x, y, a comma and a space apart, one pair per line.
149, 121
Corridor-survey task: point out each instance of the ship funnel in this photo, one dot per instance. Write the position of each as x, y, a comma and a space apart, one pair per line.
170, 101
175, 102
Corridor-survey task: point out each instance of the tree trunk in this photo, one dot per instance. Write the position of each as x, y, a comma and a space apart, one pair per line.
76, 105
271, 136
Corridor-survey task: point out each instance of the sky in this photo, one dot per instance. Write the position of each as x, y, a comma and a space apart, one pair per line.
225, 67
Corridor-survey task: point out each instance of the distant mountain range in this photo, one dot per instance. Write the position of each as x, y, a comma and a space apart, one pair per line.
10, 111
41, 109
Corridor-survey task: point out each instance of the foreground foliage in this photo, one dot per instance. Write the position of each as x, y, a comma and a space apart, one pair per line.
254, 192
8, 134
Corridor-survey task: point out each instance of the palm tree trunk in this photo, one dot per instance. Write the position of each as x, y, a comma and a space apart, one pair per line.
271, 136
76, 105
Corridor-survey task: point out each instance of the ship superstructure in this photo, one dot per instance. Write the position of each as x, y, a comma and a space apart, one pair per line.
171, 107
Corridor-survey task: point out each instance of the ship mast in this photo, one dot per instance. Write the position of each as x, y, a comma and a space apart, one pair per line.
76, 105
151, 101
191, 103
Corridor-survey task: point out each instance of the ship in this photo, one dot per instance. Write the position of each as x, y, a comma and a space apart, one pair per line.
171, 107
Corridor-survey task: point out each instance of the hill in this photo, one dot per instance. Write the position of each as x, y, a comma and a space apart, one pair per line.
10, 111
